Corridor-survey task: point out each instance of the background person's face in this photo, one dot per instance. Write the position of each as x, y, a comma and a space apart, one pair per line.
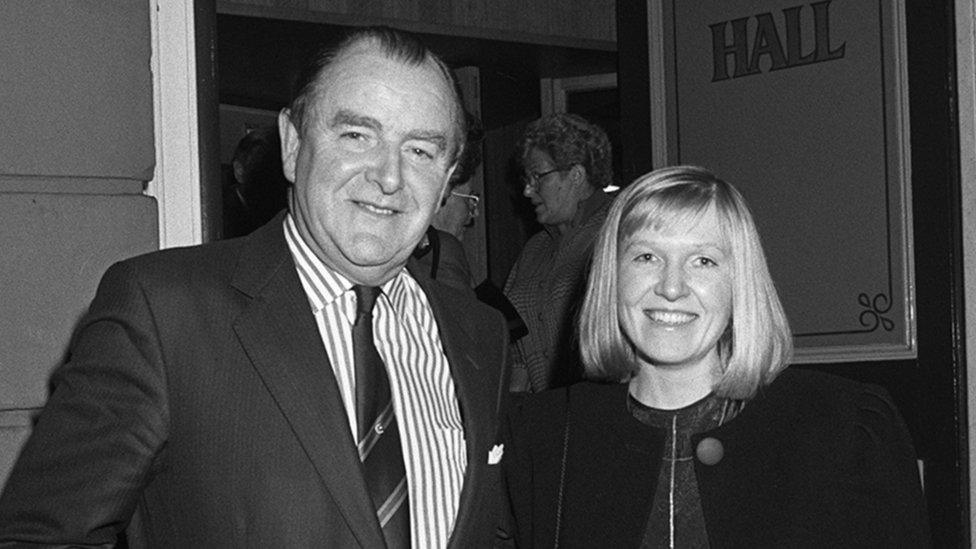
457, 213
554, 196
372, 163
674, 291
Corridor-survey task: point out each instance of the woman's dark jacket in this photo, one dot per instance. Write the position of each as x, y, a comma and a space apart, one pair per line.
812, 461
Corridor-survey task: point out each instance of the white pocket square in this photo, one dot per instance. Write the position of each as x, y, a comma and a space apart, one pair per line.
495, 455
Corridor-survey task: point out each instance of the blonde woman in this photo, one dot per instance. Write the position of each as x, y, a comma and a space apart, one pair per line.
692, 431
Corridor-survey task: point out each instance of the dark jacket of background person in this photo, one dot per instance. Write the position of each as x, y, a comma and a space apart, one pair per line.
546, 286
812, 461
441, 256
223, 428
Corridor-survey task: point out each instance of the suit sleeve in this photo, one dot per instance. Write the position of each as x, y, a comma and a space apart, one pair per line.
79, 477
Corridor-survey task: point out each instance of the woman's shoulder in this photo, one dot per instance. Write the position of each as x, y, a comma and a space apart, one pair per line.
819, 389
805, 397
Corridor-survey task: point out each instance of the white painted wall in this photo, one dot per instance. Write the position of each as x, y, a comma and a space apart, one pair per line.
176, 183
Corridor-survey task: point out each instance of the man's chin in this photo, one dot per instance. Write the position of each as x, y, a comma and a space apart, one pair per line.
370, 271
367, 258
370, 254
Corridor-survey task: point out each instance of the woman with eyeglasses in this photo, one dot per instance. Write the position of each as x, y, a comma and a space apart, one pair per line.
567, 162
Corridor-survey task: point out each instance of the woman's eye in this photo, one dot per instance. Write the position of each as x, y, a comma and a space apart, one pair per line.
705, 262
645, 257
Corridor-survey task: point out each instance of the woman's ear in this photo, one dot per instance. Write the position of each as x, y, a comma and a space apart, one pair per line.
290, 143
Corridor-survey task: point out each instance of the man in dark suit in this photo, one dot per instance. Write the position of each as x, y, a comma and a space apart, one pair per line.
214, 396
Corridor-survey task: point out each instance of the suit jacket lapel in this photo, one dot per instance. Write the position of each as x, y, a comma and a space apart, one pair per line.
279, 334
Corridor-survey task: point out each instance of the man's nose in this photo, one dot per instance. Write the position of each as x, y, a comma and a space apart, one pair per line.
386, 169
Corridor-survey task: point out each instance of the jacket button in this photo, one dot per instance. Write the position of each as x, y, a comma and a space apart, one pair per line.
709, 451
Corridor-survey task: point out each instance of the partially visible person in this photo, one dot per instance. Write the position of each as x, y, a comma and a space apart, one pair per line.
567, 162
440, 251
459, 208
258, 189
693, 432
300, 386
458, 212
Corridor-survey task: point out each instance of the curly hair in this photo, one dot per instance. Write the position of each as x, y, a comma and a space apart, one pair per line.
570, 139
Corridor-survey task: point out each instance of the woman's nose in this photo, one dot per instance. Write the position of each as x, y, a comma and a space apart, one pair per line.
673, 284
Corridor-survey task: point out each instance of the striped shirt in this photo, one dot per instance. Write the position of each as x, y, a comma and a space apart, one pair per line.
422, 388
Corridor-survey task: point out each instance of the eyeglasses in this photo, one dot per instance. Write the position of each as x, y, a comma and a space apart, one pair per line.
471, 198
533, 179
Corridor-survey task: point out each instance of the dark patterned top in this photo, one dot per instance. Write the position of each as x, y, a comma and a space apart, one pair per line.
546, 286
676, 515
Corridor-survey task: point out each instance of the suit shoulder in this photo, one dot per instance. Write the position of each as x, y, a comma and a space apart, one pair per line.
192, 268
198, 257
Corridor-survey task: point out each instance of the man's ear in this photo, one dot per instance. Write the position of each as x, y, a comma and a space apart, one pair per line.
290, 143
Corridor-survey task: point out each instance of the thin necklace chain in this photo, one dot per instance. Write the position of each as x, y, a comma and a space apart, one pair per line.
674, 461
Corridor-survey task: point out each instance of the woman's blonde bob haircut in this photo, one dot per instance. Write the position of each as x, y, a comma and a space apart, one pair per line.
756, 346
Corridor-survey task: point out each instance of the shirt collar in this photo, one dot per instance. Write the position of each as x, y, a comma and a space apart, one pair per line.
325, 285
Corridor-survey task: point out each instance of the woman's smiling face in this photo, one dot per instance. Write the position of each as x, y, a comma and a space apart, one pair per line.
674, 289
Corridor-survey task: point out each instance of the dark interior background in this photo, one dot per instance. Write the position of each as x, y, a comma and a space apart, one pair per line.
255, 60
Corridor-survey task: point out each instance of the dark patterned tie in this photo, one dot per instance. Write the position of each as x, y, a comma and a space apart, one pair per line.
378, 437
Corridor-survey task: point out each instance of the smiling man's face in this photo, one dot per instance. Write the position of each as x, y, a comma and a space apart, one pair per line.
372, 162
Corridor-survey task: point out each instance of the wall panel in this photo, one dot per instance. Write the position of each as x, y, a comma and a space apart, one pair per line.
76, 102
73, 91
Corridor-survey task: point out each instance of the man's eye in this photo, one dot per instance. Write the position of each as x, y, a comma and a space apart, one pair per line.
422, 153
353, 135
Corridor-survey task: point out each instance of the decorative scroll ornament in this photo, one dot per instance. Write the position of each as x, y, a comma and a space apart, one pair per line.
874, 316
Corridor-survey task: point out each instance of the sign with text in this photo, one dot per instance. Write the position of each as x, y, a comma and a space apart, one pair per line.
803, 107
